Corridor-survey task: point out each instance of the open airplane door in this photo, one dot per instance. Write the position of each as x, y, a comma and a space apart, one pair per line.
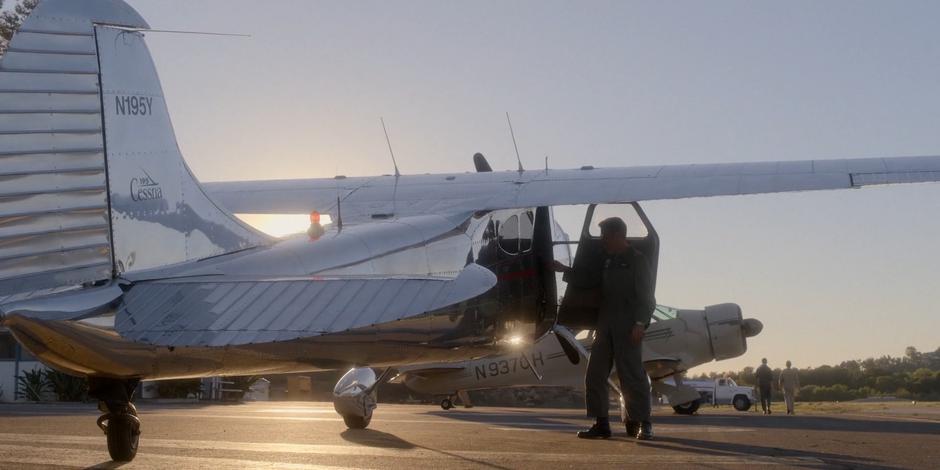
581, 302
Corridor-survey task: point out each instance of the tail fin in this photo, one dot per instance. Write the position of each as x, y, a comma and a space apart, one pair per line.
92, 182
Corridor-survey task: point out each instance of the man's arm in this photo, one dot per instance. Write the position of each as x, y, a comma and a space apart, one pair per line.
560, 268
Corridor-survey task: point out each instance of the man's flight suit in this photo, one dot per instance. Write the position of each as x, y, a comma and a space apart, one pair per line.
627, 300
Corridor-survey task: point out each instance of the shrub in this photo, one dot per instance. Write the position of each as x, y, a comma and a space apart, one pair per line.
33, 384
67, 387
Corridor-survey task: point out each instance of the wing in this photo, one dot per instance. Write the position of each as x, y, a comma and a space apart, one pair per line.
426, 372
376, 198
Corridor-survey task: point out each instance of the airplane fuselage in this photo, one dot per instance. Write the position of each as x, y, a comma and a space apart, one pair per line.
505, 242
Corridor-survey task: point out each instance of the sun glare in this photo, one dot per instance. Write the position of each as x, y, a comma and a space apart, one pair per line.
280, 225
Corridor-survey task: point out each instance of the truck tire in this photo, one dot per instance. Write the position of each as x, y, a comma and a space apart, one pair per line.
687, 408
741, 403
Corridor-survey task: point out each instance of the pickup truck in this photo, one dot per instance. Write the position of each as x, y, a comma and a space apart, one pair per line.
724, 392
717, 392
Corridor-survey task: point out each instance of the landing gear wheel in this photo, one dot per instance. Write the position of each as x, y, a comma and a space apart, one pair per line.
447, 404
687, 408
741, 403
123, 431
357, 422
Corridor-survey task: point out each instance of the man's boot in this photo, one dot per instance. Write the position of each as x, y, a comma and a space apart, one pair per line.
646, 431
600, 430
633, 428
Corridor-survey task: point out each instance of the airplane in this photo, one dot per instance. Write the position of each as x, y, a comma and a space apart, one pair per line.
116, 264
676, 341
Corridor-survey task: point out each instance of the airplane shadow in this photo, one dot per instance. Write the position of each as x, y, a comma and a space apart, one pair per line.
373, 438
807, 422
511, 419
729, 449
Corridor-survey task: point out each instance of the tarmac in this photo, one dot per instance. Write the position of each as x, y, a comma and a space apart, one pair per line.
303, 435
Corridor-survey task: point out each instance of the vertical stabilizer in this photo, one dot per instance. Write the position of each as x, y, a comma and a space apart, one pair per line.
159, 212
92, 183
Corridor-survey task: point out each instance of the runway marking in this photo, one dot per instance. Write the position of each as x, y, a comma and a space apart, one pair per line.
659, 428
81, 458
35, 449
492, 423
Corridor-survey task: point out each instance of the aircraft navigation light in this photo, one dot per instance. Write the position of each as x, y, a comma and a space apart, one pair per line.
316, 230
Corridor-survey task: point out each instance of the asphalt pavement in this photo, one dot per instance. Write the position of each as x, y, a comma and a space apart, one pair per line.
301, 435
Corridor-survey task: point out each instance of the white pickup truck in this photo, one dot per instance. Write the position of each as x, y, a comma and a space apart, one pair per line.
717, 392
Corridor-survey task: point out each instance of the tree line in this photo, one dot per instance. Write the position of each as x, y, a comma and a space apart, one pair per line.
11, 19
915, 376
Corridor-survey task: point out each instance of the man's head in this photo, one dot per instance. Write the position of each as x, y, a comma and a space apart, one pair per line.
614, 235
789, 364
763, 361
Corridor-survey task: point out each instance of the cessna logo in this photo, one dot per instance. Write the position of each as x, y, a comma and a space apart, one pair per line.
133, 105
145, 188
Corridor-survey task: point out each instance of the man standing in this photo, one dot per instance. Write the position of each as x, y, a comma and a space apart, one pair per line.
790, 383
627, 304
765, 380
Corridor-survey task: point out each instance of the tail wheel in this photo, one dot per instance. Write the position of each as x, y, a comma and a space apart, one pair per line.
123, 431
687, 408
357, 422
741, 403
447, 404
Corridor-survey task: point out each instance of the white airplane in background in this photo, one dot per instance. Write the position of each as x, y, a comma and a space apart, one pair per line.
676, 341
116, 264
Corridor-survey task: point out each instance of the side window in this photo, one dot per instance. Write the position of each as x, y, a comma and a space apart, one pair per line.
509, 235
722, 382
635, 227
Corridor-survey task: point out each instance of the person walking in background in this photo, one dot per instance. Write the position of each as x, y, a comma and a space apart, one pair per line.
790, 384
765, 381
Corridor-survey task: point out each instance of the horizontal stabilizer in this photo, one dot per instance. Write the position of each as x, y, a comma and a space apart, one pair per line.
217, 311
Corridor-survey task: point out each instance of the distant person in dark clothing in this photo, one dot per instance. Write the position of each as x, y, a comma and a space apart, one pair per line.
765, 380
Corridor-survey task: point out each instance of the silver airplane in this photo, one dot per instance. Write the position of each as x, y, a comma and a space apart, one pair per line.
676, 341
116, 264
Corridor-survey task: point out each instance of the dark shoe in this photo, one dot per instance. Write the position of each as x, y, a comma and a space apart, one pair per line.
633, 428
646, 431
598, 431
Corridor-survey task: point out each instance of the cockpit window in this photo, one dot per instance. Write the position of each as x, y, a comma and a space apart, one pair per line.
509, 235
515, 233
663, 313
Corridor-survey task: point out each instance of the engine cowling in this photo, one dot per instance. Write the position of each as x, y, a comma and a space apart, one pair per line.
728, 330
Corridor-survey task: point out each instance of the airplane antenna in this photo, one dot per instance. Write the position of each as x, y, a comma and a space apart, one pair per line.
546, 164
339, 215
176, 31
513, 134
389, 142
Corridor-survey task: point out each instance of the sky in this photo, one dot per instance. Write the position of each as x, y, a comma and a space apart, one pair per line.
832, 275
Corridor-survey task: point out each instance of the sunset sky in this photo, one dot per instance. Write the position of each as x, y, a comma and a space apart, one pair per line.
832, 275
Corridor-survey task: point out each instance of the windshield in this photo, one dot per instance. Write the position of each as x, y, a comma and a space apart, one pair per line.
663, 313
